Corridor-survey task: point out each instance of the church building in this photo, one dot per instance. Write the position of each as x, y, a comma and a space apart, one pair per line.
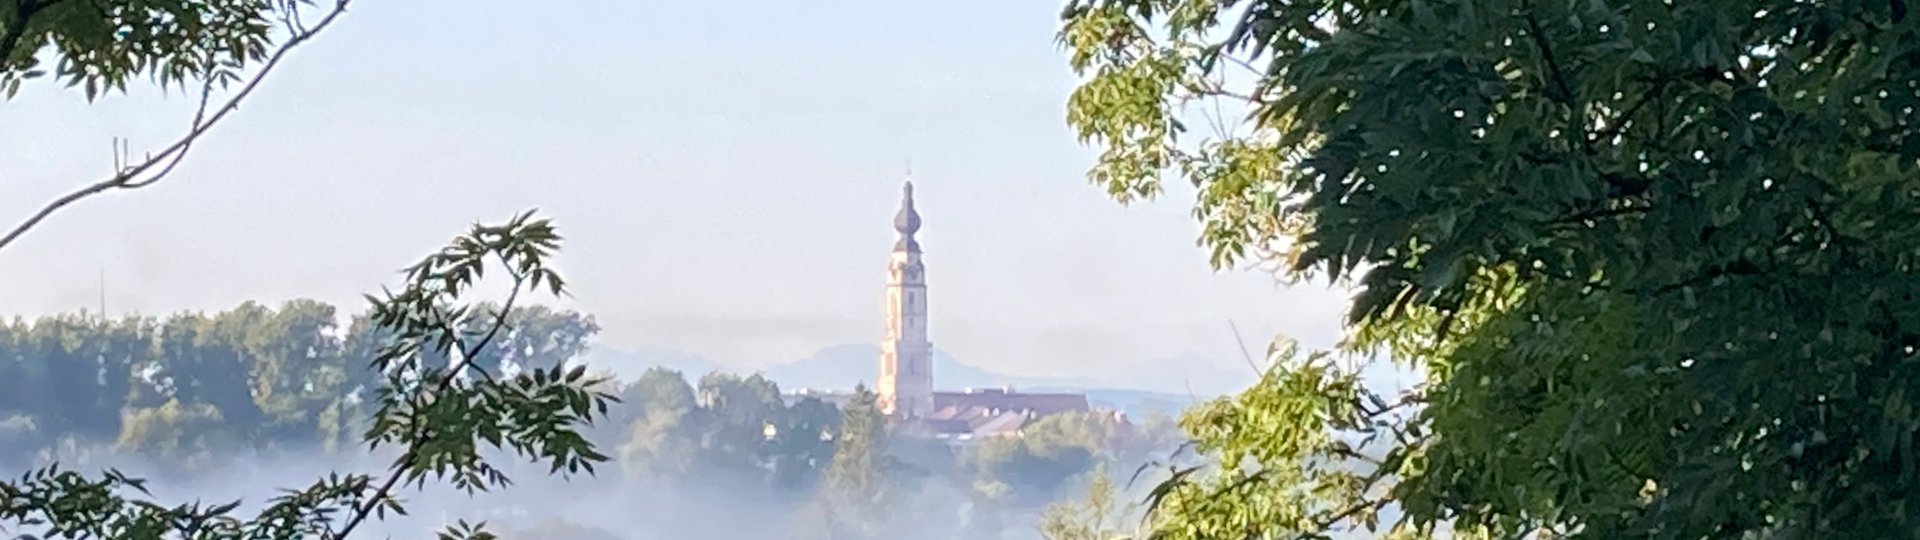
905, 387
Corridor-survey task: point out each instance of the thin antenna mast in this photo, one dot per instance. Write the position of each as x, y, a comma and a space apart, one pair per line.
103, 293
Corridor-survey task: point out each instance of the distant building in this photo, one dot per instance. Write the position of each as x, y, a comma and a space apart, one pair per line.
905, 389
994, 412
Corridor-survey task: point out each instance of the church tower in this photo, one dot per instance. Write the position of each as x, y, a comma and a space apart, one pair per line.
906, 357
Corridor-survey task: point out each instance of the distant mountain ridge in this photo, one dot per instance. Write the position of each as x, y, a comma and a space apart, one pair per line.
1156, 387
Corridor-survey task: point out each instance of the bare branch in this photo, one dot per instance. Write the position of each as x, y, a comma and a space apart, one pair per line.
1217, 90
162, 164
1243, 63
199, 122
1243, 349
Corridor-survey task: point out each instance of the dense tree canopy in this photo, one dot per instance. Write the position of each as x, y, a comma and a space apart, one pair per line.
190, 384
1656, 258
731, 434
100, 46
254, 373
1056, 449
198, 391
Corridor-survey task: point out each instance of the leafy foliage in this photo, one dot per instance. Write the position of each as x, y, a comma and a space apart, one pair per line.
854, 500
1097, 516
101, 46
1656, 258
438, 406
733, 434
193, 389
1051, 451
1297, 455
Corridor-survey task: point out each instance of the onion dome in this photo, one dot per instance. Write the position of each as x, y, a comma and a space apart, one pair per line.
907, 221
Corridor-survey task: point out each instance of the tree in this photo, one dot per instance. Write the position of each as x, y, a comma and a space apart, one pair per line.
540, 336
738, 412
853, 499
1655, 258
802, 444
439, 417
859, 467
663, 436
1049, 452
733, 436
183, 434
205, 45
1098, 515
274, 378
1277, 460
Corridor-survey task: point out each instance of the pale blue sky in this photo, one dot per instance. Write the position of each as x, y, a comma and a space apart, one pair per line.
725, 171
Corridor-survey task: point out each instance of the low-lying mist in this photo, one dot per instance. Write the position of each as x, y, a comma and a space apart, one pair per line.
241, 404
615, 502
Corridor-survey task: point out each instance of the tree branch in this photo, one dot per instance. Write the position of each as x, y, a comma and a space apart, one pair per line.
163, 163
399, 467
1563, 92
1242, 63
1619, 122
1328, 522
1600, 213
1216, 89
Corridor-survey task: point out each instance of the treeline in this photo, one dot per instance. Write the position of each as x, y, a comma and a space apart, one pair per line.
724, 432
675, 429
191, 386
191, 389
844, 474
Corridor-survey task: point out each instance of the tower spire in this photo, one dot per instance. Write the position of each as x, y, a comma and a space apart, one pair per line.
905, 386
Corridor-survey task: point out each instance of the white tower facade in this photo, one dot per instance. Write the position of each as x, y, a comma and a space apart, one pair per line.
905, 386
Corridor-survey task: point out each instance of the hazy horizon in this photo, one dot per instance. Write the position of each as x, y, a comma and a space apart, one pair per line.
725, 174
